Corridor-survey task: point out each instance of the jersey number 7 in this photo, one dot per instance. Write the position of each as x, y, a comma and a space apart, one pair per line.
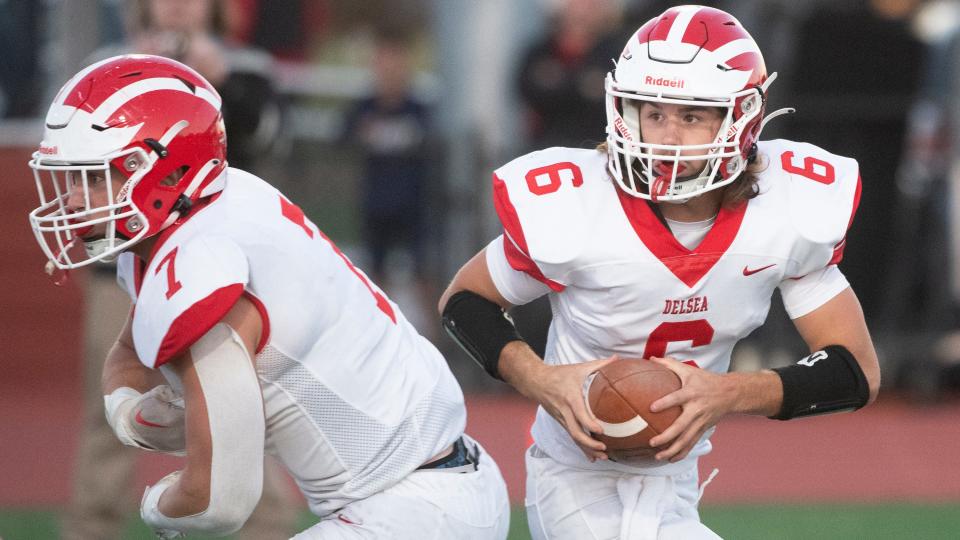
293, 213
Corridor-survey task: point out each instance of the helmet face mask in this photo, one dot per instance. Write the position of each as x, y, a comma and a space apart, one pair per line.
128, 138
103, 203
689, 56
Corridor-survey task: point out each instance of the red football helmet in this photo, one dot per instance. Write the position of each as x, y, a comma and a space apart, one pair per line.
689, 55
154, 120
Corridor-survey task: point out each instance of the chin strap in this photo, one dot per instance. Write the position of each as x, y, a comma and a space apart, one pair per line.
58, 275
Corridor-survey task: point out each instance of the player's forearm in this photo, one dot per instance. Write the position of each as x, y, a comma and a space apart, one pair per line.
123, 368
520, 367
759, 392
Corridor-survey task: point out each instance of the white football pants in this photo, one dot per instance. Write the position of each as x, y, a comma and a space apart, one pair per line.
569, 503
427, 505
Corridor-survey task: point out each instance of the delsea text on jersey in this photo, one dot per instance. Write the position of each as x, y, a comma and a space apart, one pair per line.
682, 307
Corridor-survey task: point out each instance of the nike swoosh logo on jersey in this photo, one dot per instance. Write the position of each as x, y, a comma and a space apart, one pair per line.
140, 420
748, 272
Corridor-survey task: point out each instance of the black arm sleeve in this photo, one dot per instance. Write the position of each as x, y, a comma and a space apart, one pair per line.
480, 327
827, 381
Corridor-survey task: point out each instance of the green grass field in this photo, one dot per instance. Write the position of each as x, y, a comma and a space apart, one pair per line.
822, 522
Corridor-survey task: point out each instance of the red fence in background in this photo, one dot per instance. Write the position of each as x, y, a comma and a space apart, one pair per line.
40, 323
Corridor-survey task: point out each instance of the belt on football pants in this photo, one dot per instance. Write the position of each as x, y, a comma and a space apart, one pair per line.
461, 460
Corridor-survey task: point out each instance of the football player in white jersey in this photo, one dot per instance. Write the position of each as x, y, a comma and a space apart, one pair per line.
250, 332
665, 243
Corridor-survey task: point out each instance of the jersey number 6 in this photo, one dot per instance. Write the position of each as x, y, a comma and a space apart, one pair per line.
813, 168
551, 173
697, 332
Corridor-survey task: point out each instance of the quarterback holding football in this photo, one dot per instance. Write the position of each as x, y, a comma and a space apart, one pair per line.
665, 243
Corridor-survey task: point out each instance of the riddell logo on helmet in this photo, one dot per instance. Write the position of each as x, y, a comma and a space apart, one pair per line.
662, 81
622, 129
49, 150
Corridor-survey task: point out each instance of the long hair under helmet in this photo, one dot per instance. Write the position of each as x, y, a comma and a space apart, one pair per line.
691, 56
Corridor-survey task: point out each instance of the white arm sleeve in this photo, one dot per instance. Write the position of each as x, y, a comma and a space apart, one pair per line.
235, 413
516, 287
803, 295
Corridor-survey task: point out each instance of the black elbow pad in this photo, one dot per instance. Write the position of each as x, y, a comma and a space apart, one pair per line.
480, 327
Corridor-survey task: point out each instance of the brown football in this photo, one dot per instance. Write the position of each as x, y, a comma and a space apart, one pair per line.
620, 395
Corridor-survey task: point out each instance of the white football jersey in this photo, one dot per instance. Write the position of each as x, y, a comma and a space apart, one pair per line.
619, 282
355, 398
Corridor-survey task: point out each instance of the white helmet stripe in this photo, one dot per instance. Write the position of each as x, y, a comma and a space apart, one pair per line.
127, 93
684, 16
726, 52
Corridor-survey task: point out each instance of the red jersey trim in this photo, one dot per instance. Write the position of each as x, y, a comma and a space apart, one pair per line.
515, 245
688, 265
521, 263
838, 249
264, 318
196, 321
138, 268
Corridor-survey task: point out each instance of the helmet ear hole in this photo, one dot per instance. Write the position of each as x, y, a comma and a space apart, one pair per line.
173, 178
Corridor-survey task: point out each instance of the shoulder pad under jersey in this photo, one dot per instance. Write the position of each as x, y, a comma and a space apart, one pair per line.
822, 194
545, 201
187, 288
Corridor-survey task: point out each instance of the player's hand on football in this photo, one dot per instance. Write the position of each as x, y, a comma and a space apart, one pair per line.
704, 397
560, 392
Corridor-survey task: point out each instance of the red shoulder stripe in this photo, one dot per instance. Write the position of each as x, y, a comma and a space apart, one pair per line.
138, 268
515, 246
196, 321
521, 263
838, 249
264, 318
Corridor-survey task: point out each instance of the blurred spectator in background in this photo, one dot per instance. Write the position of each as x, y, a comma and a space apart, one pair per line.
391, 129
857, 65
303, 23
189, 31
921, 302
560, 78
20, 39
193, 32
560, 82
